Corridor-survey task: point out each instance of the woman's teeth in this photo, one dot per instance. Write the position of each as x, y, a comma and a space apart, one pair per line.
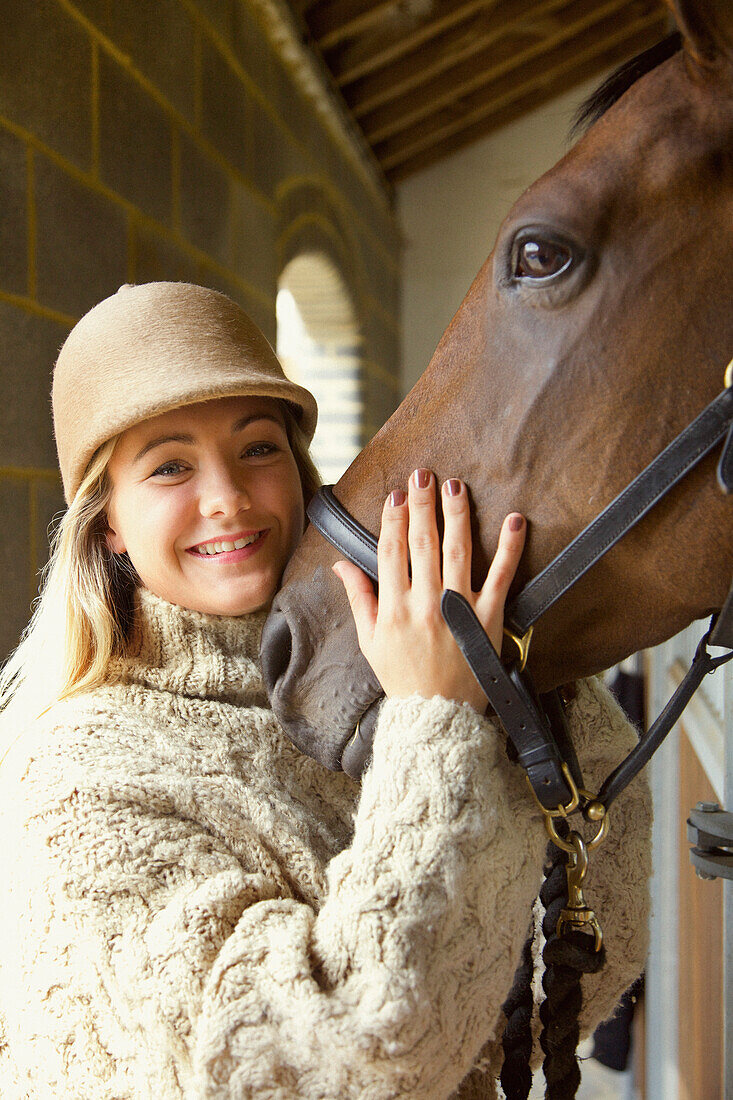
209, 548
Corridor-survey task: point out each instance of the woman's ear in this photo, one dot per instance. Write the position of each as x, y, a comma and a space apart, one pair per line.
707, 29
114, 538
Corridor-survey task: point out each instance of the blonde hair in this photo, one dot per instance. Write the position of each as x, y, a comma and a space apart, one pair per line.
83, 614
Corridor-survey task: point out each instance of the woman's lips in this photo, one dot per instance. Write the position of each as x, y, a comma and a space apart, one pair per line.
242, 554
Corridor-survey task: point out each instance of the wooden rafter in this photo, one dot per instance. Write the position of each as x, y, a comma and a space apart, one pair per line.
497, 72
481, 113
456, 44
362, 57
334, 21
513, 111
477, 35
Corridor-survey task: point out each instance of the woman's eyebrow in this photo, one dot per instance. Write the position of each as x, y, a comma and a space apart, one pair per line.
160, 440
245, 420
238, 426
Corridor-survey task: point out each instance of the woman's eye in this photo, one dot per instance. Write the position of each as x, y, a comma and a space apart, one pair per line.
538, 259
258, 450
168, 469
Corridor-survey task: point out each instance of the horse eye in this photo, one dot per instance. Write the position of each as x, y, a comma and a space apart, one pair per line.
538, 259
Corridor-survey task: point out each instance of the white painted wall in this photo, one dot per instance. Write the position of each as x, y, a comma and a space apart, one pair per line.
450, 215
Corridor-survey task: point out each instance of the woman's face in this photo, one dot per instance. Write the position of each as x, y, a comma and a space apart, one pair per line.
207, 503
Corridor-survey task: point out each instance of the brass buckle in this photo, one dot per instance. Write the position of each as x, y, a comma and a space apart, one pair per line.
522, 643
592, 808
577, 916
560, 811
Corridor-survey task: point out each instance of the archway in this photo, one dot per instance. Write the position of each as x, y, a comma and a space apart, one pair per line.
320, 346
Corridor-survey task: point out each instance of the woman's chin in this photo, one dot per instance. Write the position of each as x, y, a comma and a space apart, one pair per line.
233, 603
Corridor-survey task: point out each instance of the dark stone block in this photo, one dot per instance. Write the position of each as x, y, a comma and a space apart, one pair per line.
221, 15
81, 248
158, 36
156, 258
46, 76
50, 506
14, 562
271, 160
252, 50
226, 110
206, 203
254, 256
29, 345
14, 220
382, 276
135, 154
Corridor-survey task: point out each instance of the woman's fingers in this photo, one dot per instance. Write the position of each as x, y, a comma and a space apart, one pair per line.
423, 538
495, 589
361, 597
456, 537
392, 563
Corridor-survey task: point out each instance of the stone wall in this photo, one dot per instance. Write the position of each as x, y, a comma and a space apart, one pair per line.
164, 139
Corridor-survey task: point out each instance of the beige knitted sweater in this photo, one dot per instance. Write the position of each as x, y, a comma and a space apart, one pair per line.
191, 908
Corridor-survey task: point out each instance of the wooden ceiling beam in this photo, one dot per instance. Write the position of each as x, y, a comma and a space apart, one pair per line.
361, 57
334, 21
520, 96
592, 24
458, 44
513, 111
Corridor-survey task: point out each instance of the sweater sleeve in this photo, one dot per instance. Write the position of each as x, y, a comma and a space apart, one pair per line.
149, 959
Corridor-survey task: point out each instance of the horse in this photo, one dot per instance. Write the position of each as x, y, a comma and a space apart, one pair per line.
596, 330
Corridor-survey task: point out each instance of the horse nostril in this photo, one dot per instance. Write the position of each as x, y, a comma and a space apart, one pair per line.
276, 648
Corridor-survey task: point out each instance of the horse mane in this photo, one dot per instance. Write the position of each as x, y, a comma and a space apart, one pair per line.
611, 90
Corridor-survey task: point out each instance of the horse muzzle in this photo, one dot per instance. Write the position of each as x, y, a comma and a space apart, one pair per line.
321, 688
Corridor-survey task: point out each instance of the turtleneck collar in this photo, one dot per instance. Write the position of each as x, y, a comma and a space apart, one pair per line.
187, 652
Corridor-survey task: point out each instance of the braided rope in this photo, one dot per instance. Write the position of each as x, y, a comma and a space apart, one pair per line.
566, 958
516, 1075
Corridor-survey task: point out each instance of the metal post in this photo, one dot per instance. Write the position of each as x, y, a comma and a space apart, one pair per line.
728, 895
662, 976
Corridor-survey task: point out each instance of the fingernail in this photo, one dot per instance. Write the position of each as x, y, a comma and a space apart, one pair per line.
397, 497
422, 478
515, 523
453, 487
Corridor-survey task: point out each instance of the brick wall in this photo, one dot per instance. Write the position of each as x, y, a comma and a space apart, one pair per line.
162, 139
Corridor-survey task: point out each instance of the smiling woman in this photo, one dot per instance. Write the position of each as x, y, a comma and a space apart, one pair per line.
194, 908
198, 492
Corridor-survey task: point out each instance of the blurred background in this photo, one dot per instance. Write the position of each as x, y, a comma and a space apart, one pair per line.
340, 168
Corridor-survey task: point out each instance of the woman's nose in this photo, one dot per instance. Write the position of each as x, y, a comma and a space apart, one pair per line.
224, 493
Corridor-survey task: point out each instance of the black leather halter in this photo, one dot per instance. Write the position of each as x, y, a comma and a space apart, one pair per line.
535, 727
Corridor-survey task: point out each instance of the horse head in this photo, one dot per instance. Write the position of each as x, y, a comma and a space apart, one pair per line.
596, 330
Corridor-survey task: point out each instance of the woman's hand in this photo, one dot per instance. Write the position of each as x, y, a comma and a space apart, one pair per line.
402, 634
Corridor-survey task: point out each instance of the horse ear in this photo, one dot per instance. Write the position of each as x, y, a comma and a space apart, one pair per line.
707, 28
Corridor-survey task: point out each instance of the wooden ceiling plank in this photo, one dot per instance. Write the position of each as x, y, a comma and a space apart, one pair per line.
333, 21
513, 111
456, 44
593, 21
353, 62
611, 51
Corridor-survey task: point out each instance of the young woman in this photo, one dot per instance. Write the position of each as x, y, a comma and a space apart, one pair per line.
192, 908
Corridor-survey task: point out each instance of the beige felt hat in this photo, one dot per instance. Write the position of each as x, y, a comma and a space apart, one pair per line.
155, 347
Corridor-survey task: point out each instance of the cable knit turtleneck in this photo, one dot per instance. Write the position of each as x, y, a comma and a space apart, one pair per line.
192, 654
194, 909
